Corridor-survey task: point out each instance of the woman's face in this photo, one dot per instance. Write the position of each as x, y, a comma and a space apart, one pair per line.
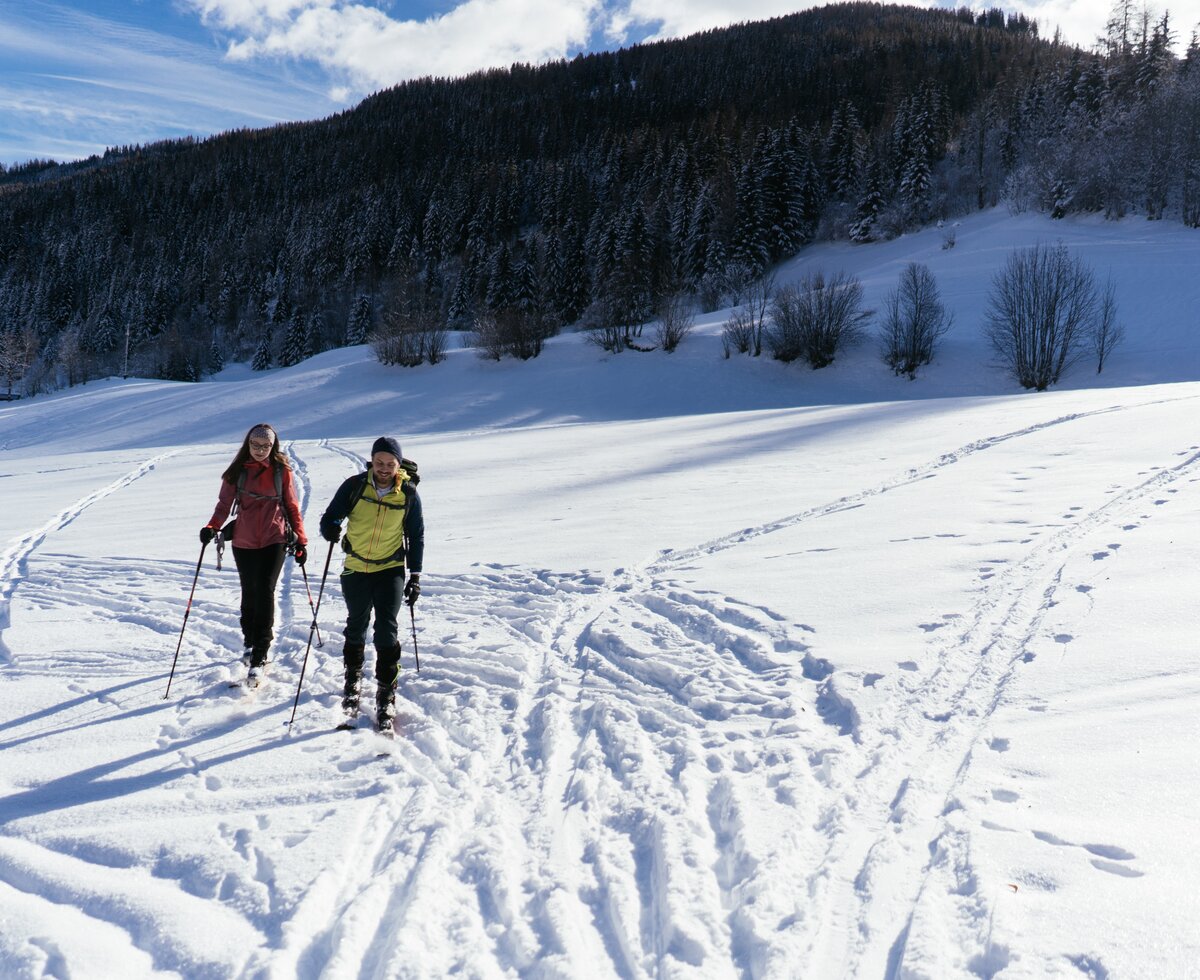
260, 445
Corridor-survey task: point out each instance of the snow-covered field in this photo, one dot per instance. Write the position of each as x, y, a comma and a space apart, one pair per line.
728, 668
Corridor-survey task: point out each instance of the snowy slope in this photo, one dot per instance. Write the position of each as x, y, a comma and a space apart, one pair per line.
728, 668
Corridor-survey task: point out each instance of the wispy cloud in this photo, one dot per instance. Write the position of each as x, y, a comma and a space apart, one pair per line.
72, 84
371, 49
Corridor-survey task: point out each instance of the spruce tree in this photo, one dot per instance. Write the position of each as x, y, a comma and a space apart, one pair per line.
359, 324
292, 352
262, 356
216, 357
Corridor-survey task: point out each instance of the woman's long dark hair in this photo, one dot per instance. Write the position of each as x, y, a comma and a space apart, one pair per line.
243, 454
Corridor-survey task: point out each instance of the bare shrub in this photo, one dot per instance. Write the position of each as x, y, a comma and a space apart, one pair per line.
1043, 310
395, 344
411, 331
614, 323
816, 319
1107, 333
18, 350
512, 333
675, 320
747, 324
737, 278
738, 333
914, 319
709, 291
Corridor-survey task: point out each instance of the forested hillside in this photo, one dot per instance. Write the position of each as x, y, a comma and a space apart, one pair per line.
583, 189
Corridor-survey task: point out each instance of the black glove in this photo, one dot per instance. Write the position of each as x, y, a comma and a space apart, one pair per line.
300, 554
332, 532
207, 534
412, 590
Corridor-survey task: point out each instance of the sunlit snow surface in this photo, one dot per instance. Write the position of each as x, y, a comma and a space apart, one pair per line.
728, 668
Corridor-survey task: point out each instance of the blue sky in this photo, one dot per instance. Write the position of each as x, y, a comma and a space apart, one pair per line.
77, 76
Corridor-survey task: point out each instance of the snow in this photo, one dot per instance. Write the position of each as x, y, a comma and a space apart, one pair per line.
729, 668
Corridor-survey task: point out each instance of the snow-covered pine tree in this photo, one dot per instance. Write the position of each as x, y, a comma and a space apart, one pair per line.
216, 356
292, 351
501, 289
262, 355
750, 246
359, 323
870, 204
313, 330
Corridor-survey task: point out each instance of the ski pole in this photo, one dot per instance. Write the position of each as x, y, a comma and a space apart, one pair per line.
320, 642
312, 629
187, 612
412, 613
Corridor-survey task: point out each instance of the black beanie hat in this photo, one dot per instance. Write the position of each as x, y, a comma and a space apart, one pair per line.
386, 444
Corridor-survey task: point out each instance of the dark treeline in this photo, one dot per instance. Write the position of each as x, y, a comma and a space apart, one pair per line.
582, 190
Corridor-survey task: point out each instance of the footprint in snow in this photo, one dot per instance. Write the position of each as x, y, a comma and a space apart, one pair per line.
1005, 796
998, 744
907, 665
1116, 869
1063, 638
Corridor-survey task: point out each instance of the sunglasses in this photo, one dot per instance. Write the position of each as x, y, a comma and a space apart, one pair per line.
255, 444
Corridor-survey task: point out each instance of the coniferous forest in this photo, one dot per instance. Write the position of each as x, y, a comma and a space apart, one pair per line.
587, 191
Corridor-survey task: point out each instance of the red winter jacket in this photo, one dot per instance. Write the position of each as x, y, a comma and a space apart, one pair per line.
260, 513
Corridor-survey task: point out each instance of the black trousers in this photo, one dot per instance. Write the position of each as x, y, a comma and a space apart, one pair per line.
381, 593
258, 570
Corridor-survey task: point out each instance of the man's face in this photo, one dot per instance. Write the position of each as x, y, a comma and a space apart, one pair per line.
384, 466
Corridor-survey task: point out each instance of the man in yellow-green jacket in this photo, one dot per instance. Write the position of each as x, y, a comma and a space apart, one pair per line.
385, 535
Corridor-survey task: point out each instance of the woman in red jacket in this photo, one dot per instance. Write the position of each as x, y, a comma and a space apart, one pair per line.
259, 490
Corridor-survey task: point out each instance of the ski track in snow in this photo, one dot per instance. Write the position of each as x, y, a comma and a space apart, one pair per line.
727, 811
14, 560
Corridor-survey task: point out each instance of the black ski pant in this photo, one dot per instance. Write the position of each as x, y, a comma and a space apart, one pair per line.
258, 570
381, 593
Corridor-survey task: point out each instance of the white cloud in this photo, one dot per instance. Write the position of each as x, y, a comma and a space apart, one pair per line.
72, 84
373, 50
678, 18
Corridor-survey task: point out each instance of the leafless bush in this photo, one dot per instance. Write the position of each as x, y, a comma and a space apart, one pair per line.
1043, 310
675, 320
709, 291
737, 279
746, 325
614, 322
738, 333
816, 319
914, 319
18, 349
398, 345
1107, 333
511, 332
410, 332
